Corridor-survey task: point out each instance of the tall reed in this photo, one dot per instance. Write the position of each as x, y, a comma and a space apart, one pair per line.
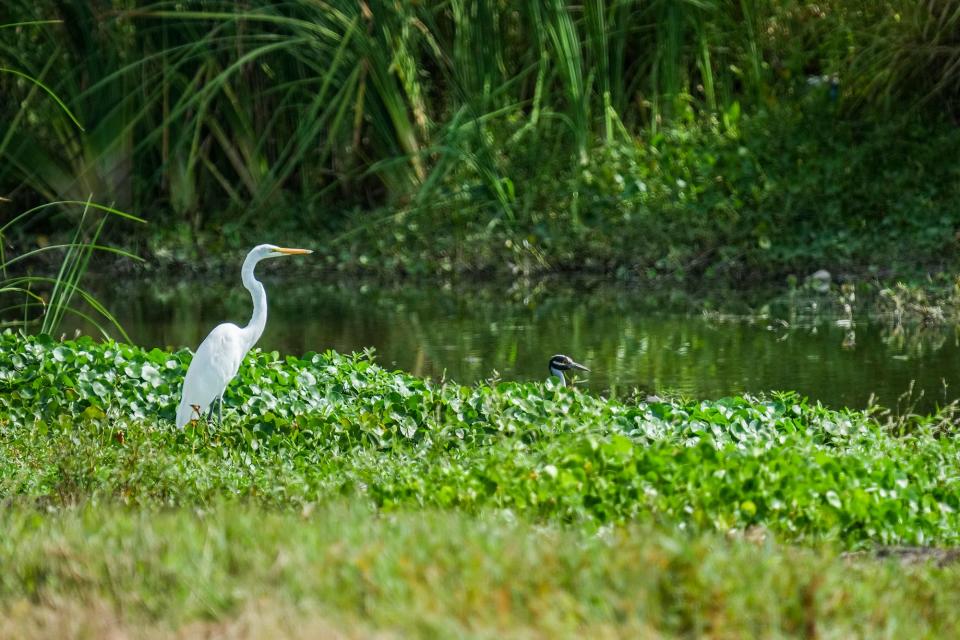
41, 302
213, 109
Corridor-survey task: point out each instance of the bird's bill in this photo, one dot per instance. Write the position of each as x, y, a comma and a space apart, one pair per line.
577, 365
293, 252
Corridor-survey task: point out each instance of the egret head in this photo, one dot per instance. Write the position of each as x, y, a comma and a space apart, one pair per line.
263, 251
273, 251
560, 363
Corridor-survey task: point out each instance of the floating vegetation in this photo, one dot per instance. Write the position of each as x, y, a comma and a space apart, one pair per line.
83, 420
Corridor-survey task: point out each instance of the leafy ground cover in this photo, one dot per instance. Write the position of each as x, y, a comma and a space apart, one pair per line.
87, 421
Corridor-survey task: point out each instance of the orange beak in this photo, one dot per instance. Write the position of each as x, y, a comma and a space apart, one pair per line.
293, 252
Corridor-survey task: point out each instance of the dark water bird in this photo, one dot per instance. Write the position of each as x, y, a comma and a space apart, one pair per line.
560, 363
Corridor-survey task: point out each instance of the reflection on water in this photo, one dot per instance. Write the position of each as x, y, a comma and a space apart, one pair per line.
471, 333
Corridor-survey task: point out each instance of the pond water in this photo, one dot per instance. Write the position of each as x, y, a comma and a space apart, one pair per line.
631, 339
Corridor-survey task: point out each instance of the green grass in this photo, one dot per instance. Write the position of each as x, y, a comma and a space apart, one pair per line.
341, 567
41, 302
340, 497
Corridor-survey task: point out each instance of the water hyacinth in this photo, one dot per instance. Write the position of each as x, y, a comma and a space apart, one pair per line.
117, 380
88, 420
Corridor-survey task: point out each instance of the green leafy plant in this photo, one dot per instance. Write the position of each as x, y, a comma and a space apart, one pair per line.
77, 252
94, 421
54, 296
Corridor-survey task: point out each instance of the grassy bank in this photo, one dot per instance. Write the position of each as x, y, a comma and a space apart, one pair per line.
342, 571
789, 192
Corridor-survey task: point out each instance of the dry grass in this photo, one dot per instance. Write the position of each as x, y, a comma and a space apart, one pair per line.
76, 619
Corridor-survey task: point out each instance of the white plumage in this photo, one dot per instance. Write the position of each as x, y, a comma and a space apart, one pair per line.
215, 364
218, 357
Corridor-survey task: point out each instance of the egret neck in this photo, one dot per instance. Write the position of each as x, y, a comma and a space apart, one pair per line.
258, 321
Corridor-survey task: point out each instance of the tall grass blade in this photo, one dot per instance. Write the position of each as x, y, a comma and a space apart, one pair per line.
66, 284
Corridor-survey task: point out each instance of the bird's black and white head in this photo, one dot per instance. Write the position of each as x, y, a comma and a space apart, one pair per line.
560, 363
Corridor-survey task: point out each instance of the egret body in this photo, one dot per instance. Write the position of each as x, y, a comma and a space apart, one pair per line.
218, 357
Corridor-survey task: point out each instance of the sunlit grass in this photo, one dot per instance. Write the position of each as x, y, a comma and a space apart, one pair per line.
429, 573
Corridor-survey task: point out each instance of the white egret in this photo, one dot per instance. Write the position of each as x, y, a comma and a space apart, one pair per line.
218, 357
560, 363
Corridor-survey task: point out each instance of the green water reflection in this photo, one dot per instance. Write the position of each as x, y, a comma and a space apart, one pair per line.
630, 342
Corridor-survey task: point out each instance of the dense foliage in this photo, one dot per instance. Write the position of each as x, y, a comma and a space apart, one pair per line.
670, 138
81, 420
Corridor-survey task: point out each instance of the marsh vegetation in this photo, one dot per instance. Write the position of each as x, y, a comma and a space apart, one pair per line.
749, 208
311, 449
662, 140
